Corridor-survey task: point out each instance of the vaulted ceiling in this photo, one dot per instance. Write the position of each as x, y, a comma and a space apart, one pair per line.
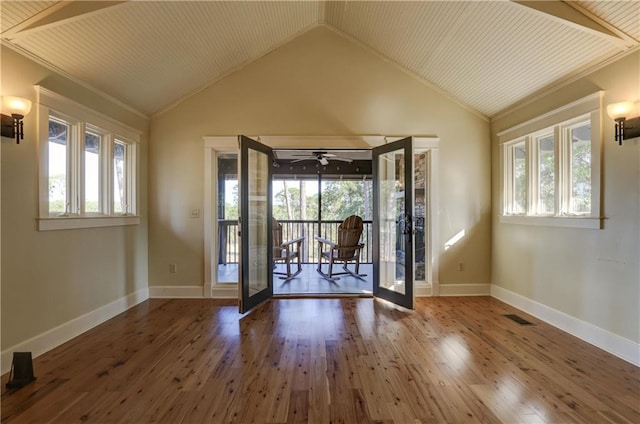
486, 54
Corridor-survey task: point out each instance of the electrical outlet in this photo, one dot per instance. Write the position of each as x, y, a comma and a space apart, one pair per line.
460, 266
195, 213
173, 268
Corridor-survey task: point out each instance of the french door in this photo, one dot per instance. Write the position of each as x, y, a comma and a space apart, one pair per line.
256, 259
393, 222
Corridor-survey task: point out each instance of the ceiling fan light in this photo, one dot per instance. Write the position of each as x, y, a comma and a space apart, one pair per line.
323, 161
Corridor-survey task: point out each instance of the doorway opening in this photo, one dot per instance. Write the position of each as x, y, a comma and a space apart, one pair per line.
296, 181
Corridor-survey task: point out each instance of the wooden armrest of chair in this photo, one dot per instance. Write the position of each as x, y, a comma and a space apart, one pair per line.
325, 241
297, 241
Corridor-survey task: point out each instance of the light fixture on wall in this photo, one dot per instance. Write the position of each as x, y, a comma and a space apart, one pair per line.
14, 109
626, 128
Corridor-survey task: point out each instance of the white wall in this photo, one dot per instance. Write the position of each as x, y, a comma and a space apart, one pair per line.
52, 278
590, 275
318, 84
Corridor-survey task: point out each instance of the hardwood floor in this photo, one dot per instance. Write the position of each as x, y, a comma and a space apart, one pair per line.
349, 360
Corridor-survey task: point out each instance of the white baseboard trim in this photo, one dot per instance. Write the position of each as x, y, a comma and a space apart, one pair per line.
53, 338
226, 291
206, 291
604, 339
423, 290
176, 292
475, 289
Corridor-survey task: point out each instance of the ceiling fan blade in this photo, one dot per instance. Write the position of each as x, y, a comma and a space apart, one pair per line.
343, 159
328, 155
301, 159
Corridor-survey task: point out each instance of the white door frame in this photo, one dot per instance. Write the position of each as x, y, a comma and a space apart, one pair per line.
215, 145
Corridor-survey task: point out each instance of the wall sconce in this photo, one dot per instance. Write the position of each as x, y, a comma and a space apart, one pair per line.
17, 107
626, 128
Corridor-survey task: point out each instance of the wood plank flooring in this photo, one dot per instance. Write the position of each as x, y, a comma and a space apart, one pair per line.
349, 360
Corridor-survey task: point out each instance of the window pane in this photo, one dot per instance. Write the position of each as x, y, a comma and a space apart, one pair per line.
57, 150
91, 173
420, 186
547, 175
119, 160
519, 158
228, 253
581, 169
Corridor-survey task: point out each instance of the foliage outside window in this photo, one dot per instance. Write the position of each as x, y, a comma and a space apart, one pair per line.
57, 146
297, 199
345, 197
549, 173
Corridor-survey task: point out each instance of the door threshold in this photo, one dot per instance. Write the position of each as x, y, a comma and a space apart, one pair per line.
321, 295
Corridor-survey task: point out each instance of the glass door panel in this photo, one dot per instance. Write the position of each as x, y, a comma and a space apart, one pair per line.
255, 224
393, 222
421, 195
228, 254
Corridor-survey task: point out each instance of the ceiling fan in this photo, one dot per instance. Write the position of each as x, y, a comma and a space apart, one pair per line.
322, 157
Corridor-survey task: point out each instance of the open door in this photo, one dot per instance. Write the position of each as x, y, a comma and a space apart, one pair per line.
256, 262
393, 222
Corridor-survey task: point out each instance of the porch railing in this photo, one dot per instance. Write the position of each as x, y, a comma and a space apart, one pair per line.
229, 243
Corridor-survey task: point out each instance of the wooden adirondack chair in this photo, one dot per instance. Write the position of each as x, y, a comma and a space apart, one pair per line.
285, 251
345, 250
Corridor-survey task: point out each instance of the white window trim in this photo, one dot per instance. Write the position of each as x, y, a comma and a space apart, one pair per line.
558, 120
508, 172
51, 103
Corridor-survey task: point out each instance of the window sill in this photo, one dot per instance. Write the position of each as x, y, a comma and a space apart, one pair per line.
70, 223
554, 221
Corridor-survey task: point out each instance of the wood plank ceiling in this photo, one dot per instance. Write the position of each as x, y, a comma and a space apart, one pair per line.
488, 54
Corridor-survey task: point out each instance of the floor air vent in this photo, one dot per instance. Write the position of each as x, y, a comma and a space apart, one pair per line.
518, 319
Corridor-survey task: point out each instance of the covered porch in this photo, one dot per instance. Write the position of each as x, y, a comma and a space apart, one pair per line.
309, 281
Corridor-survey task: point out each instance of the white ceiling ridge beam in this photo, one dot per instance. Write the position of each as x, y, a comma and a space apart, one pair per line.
621, 34
32, 19
575, 16
60, 13
322, 11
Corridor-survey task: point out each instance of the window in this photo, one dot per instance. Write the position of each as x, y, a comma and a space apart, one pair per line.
120, 175
92, 172
546, 174
57, 147
580, 180
517, 184
88, 168
551, 175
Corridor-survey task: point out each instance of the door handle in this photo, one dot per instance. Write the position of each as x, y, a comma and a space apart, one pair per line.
408, 224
